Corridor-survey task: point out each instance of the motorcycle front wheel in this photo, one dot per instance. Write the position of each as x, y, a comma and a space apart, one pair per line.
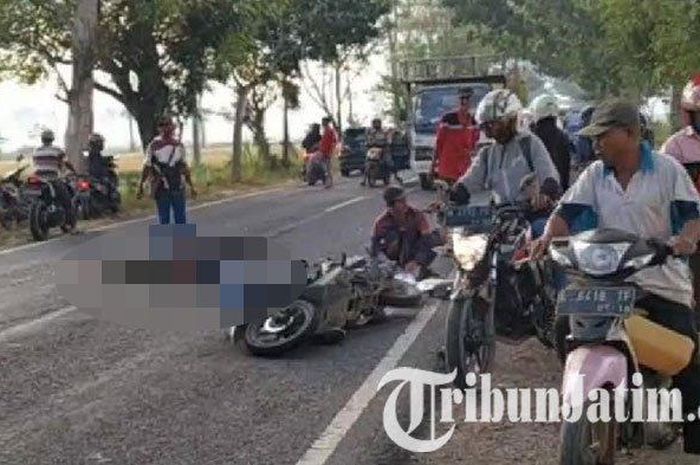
282, 332
37, 221
468, 346
586, 443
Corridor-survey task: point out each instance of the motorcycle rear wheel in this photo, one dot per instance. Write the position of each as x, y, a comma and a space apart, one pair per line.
584, 443
468, 348
291, 327
37, 221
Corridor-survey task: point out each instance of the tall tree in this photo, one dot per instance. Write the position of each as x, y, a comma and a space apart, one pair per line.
159, 54
80, 114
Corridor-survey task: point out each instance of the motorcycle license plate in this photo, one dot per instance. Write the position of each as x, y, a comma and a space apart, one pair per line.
601, 301
475, 218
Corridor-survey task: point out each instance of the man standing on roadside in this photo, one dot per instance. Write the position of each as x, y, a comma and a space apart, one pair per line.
329, 142
165, 165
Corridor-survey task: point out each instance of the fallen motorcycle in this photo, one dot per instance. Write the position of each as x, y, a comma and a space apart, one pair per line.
348, 293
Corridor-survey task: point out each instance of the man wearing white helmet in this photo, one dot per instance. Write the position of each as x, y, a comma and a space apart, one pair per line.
501, 167
546, 111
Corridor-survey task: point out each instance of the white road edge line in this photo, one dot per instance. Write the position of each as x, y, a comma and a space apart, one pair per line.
345, 204
30, 325
324, 447
200, 206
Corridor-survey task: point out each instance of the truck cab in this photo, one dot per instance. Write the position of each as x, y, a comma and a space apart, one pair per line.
433, 86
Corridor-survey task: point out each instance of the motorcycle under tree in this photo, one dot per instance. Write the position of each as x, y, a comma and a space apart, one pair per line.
14, 206
349, 293
610, 340
47, 211
497, 290
97, 195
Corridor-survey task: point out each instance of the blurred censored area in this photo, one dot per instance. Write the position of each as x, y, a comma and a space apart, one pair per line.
176, 280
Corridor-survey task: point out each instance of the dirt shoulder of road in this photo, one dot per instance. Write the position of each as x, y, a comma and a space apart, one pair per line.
20, 235
529, 365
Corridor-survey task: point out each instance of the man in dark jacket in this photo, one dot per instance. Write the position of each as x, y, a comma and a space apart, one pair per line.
545, 109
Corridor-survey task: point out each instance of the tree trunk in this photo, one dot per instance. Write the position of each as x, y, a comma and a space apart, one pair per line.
258, 126
675, 113
80, 113
196, 142
132, 142
338, 98
285, 142
237, 158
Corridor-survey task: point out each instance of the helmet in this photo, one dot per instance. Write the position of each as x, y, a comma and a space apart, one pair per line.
544, 106
47, 135
498, 104
96, 138
690, 100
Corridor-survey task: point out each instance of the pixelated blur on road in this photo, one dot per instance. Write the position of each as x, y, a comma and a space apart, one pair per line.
76, 389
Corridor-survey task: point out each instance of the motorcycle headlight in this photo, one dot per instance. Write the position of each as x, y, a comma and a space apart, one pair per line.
468, 249
599, 259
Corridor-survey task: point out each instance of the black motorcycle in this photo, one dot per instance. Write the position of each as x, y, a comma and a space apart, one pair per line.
46, 210
348, 293
14, 205
497, 291
95, 197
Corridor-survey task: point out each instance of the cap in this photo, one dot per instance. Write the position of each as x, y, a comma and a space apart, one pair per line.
611, 114
392, 194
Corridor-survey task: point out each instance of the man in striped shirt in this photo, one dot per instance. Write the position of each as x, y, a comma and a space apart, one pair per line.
49, 163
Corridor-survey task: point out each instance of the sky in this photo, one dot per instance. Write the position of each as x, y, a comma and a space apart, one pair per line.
24, 108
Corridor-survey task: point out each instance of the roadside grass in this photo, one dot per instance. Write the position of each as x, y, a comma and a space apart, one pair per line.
212, 179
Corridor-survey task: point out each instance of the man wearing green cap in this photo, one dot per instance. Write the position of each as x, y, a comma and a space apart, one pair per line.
633, 189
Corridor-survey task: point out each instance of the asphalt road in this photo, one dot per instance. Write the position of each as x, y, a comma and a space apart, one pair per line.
75, 390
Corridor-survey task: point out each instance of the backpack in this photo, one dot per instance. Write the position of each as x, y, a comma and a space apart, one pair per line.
525, 149
172, 174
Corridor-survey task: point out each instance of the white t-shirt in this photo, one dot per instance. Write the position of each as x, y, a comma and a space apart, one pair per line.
659, 199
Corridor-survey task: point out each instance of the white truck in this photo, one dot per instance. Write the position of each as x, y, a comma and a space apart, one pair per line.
433, 86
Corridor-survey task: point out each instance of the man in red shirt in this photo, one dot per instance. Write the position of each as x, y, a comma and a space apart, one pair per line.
329, 141
457, 137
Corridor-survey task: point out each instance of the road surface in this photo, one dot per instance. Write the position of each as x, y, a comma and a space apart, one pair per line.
75, 390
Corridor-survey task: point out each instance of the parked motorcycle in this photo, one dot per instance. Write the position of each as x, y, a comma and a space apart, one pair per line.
349, 293
95, 196
14, 206
375, 168
610, 340
315, 169
46, 211
497, 290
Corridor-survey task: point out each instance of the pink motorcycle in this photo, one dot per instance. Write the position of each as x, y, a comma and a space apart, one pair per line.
610, 341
